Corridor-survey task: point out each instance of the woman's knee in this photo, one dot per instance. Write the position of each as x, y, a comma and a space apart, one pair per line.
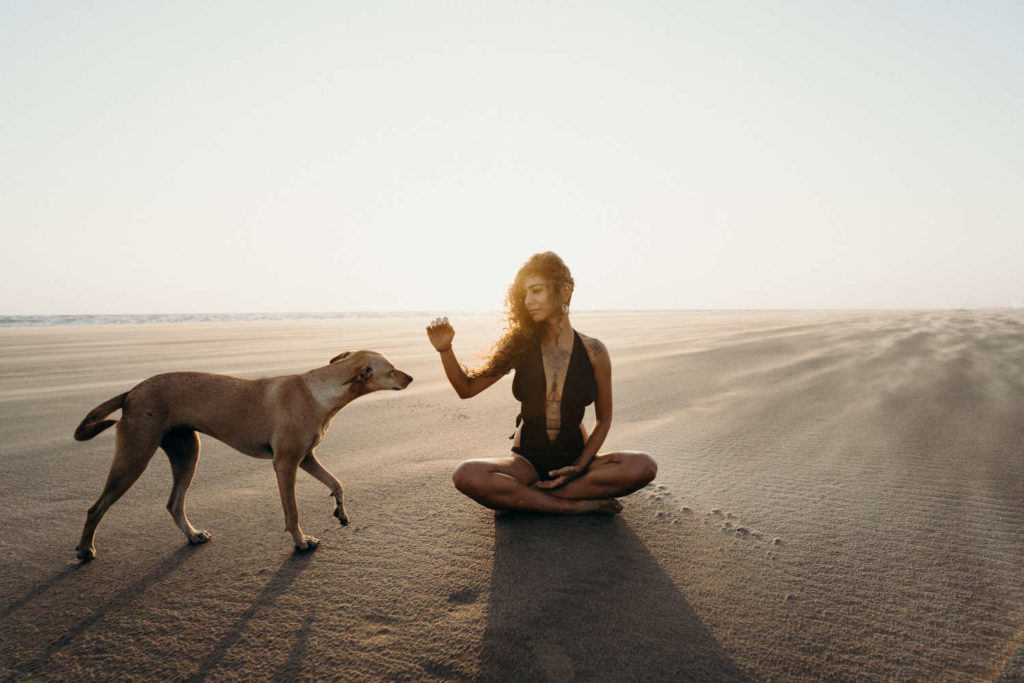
468, 475
643, 467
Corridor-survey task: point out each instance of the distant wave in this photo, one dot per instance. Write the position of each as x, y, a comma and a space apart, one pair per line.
140, 319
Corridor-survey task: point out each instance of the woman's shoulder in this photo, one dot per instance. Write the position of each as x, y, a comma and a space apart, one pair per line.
595, 348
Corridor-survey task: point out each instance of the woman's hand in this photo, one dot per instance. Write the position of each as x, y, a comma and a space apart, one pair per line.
561, 477
441, 333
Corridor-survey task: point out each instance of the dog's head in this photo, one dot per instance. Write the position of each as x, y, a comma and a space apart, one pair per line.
371, 371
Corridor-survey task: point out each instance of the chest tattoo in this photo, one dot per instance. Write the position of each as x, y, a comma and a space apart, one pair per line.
556, 366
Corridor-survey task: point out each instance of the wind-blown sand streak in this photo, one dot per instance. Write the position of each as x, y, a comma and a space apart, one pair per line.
839, 495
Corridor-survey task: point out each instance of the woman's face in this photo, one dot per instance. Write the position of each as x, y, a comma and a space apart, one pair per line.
541, 301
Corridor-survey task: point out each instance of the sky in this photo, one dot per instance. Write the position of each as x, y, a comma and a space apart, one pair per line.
178, 157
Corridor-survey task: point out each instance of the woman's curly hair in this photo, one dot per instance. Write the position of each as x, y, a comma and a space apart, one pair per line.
521, 332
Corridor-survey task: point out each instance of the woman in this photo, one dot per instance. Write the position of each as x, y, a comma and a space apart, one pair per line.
554, 465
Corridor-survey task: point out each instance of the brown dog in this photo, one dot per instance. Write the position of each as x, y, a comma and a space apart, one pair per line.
278, 418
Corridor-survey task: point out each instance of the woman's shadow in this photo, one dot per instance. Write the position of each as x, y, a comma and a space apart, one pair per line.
581, 598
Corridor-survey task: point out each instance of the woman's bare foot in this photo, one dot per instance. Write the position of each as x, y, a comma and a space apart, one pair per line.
601, 506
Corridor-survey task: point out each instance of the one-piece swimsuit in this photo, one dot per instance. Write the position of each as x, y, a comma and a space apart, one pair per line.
530, 387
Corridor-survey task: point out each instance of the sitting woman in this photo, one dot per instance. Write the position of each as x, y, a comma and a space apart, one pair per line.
554, 465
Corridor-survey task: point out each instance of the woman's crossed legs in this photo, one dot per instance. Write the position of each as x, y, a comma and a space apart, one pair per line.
508, 483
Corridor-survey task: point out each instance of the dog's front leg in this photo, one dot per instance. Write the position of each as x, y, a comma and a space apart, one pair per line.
311, 465
286, 468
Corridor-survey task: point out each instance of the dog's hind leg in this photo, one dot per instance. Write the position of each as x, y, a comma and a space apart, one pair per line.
134, 449
311, 465
182, 449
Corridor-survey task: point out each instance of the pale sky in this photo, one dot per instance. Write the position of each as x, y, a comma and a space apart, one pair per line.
162, 157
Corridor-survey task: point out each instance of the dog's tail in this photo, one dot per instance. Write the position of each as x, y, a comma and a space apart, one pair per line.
93, 423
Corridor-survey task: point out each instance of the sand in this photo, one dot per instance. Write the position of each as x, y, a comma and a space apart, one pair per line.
839, 496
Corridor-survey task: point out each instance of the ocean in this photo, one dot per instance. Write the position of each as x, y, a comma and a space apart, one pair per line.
145, 318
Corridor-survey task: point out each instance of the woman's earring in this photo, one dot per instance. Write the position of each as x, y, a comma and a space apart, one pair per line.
565, 308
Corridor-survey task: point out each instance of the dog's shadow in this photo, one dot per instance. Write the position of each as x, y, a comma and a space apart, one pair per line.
277, 586
119, 602
56, 580
583, 599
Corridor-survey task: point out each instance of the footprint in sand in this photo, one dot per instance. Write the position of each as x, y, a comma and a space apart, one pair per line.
726, 521
657, 492
729, 524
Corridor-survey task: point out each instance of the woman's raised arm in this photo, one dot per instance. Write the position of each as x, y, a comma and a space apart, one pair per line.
441, 334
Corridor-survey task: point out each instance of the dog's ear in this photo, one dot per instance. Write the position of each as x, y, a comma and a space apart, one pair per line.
362, 374
341, 356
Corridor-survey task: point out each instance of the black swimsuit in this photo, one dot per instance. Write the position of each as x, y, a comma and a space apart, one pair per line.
530, 387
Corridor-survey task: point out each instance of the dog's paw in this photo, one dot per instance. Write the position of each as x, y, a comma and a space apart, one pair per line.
307, 543
85, 554
342, 516
200, 536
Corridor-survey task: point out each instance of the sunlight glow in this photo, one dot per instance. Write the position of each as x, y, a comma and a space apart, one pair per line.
410, 156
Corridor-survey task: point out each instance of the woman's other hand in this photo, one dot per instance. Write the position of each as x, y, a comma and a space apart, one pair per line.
561, 477
441, 333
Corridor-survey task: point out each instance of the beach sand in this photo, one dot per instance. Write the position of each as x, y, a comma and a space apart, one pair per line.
840, 495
